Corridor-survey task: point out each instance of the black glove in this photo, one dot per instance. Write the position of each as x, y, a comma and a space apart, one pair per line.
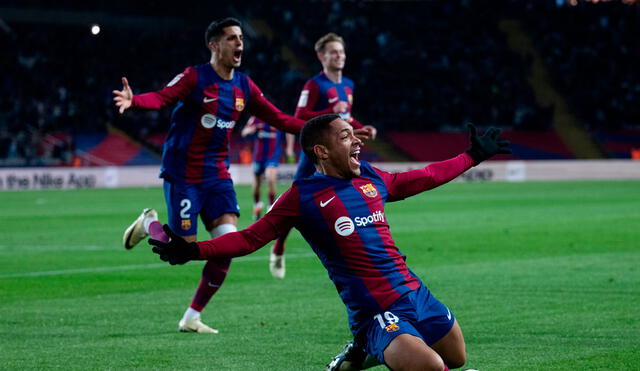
177, 250
487, 145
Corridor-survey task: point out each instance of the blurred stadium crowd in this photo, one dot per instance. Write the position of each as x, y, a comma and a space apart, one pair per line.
418, 66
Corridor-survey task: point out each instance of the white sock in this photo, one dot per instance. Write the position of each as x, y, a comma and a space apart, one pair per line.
190, 313
147, 221
222, 229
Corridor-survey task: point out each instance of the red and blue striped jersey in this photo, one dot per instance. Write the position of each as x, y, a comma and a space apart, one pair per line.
344, 222
320, 94
197, 146
267, 145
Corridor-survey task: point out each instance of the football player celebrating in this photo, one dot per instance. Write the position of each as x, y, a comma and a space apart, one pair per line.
209, 98
393, 316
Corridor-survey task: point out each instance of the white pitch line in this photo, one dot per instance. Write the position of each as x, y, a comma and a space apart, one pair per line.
138, 266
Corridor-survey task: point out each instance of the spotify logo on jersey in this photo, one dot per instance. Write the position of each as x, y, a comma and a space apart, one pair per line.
344, 226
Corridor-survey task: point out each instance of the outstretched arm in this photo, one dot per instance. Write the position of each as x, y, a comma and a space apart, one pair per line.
279, 220
409, 183
123, 97
177, 89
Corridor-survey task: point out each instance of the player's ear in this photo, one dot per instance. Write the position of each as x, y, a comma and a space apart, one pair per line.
321, 151
213, 46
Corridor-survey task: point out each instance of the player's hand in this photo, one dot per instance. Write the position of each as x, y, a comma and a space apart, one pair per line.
124, 97
372, 131
486, 146
362, 133
341, 107
247, 130
177, 250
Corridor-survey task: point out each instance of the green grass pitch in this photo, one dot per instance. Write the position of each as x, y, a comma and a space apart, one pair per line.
541, 276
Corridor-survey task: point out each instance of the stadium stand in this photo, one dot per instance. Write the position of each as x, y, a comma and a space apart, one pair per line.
438, 146
420, 68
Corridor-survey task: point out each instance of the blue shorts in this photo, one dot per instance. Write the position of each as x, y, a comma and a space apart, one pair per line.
418, 313
259, 167
185, 201
306, 167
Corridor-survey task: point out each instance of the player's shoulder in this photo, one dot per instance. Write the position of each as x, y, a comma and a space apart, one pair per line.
347, 81
241, 75
200, 68
368, 171
319, 78
366, 167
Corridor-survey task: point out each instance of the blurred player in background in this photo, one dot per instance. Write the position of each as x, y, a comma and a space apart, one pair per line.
340, 211
267, 148
208, 99
266, 156
327, 92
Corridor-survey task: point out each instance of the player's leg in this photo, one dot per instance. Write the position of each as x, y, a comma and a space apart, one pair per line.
439, 328
271, 175
147, 224
140, 228
408, 352
392, 338
219, 213
183, 207
452, 347
258, 205
213, 275
276, 258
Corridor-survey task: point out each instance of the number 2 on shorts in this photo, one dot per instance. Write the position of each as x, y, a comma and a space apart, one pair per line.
185, 203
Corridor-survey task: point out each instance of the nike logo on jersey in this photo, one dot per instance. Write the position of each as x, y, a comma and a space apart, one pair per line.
324, 203
448, 314
207, 100
332, 100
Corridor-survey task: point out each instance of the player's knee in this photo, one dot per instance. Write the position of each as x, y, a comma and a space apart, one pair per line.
417, 361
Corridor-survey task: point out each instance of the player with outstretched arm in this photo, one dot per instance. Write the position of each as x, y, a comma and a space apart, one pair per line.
209, 98
340, 213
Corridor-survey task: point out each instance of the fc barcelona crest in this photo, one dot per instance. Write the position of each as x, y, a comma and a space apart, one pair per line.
186, 224
392, 328
239, 104
369, 190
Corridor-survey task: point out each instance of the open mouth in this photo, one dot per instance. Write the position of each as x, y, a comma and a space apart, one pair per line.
355, 157
237, 56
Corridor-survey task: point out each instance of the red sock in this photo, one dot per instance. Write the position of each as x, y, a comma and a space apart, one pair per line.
156, 232
213, 274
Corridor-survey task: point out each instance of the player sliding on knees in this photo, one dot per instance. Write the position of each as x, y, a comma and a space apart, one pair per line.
339, 211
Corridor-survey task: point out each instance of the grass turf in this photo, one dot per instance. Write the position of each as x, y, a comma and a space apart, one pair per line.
541, 276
